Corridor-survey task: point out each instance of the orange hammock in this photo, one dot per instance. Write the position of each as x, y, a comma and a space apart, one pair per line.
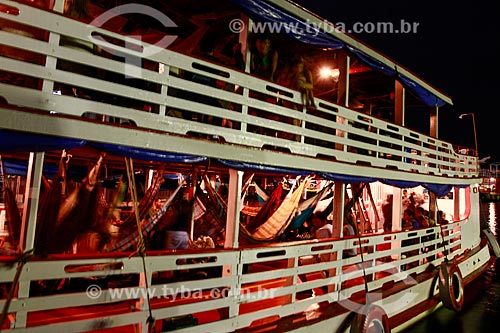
277, 218
282, 217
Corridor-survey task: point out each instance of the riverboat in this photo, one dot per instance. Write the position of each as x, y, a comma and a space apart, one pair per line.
116, 112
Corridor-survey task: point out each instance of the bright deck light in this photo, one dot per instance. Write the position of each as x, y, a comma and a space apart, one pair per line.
327, 72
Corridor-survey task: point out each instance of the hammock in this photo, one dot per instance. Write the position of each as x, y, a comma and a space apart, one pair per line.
245, 187
262, 197
282, 217
205, 213
49, 204
146, 227
12, 217
277, 219
266, 210
199, 209
146, 202
250, 210
216, 200
261, 193
306, 213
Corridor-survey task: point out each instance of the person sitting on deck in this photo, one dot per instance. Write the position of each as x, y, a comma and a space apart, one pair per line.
322, 228
409, 220
410, 223
178, 232
421, 217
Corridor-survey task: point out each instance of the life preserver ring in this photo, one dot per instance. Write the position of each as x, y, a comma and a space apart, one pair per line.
451, 287
370, 318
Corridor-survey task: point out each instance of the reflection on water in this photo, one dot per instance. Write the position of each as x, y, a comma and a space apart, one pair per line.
489, 214
481, 312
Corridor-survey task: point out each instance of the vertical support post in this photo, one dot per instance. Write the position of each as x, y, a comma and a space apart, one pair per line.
32, 193
233, 209
397, 209
337, 223
28, 228
246, 49
338, 208
399, 104
434, 122
50, 61
193, 197
399, 111
397, 215
232, 231
456, 204
344, 64
149, 178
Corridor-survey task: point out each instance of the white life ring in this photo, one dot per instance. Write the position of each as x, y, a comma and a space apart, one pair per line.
451, 287
370, 318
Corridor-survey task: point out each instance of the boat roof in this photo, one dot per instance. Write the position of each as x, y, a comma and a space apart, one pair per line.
312, 29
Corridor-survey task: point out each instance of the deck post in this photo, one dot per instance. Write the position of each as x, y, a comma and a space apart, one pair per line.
28, 228
53, 38
233, 210
456, 204
32, 193
337, 223
399, 104
343, 62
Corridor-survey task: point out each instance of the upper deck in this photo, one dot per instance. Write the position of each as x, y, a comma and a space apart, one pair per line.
138, 94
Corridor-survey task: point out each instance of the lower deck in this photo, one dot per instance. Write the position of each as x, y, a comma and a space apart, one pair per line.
248, 290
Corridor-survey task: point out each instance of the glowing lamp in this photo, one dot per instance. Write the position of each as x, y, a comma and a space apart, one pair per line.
327, 72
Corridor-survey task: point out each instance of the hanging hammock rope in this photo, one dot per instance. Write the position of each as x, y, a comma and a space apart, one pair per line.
141, 247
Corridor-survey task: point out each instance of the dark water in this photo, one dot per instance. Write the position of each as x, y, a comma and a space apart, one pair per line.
481, 311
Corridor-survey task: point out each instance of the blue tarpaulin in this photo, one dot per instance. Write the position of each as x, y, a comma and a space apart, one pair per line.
147, 154
12, 142
27, 142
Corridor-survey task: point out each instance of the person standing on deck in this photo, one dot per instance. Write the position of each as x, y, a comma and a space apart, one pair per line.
387, 212
441, 216
301, 79
264, 60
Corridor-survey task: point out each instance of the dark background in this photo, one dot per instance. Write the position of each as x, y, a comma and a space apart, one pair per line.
455, 49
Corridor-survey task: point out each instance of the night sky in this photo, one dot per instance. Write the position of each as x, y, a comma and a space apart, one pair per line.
455, 48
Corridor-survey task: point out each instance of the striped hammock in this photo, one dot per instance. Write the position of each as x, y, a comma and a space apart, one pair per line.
282, 217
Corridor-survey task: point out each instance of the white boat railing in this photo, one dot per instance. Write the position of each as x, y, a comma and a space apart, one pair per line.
261, 112
241, 285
